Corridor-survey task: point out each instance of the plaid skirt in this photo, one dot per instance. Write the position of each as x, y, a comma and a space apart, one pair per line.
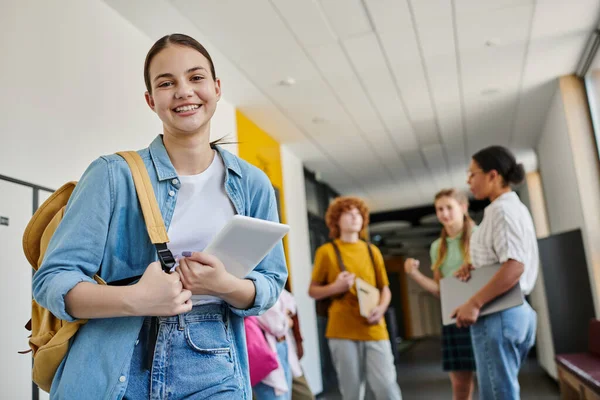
457, 349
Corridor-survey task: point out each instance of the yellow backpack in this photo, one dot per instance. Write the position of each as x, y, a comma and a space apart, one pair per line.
50, 336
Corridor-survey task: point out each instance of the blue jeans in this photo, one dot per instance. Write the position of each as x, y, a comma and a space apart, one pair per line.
265, 392
501, 342
194, 358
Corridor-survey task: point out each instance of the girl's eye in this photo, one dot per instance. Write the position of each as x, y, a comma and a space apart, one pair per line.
165, 84
197, 78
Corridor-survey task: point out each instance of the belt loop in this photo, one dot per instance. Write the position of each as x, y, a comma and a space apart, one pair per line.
225, 314
181, 319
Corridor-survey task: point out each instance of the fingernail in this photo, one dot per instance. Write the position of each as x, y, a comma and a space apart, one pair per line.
186, 253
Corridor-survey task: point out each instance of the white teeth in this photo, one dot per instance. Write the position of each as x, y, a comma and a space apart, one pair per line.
187, 108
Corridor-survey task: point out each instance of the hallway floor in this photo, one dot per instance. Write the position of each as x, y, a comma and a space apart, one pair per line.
420, 376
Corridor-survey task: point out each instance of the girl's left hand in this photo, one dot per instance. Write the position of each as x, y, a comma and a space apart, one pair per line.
203, 273
466, 315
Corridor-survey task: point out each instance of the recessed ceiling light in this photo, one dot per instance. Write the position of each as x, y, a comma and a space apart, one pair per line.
318, 120
289, 81
490, 91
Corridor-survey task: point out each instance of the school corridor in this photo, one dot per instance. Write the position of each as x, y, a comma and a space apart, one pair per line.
420, 376
386, 101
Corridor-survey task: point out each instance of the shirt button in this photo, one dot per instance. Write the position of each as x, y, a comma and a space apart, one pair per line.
122, 379
175, 181
171, 193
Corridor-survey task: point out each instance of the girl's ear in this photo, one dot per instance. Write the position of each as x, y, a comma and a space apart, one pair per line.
218, 88
150, 101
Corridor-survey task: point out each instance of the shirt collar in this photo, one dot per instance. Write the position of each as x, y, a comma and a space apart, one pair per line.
164, 167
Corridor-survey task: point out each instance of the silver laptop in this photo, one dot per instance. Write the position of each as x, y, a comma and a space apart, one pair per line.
455, 293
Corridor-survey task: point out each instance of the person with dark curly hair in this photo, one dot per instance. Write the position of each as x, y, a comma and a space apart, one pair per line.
360, 347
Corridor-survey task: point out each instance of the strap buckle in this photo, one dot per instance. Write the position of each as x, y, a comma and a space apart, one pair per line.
167, 261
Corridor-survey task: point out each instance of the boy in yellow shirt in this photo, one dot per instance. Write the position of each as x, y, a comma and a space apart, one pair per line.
359, 346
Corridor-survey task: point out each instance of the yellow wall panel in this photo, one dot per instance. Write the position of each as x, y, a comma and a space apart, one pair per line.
261, 150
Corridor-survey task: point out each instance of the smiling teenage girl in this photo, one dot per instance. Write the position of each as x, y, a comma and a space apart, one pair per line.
200, 349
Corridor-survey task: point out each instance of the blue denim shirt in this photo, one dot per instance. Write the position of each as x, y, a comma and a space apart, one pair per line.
103, 231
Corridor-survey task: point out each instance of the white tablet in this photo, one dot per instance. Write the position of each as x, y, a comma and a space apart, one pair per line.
244, 242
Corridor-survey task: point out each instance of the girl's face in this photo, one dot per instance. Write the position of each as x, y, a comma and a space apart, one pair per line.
449, 211
351, 221
184, 94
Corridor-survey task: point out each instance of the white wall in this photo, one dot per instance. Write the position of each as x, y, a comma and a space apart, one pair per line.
301, 263
223, 125
563, 209
72, 90
569, 170
563, 196
587, 171
557, 168
15, 369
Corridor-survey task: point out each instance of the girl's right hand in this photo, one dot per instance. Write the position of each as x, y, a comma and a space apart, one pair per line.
411, 265
160, 294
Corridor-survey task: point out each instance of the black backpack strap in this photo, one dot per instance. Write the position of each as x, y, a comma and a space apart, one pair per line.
372, 258
338, 255
371, 253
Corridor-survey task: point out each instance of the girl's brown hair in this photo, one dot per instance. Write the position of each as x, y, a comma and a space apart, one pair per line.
175, 39
339, 206
462, 199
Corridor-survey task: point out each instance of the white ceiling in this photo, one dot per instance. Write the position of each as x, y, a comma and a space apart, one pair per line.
391, 96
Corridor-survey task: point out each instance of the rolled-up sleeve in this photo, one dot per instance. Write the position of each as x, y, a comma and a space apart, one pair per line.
271, 273
76, 249
507, 238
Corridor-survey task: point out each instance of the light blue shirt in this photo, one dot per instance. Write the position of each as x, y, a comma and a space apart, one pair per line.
103, 231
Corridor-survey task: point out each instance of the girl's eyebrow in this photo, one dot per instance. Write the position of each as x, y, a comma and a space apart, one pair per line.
169, 75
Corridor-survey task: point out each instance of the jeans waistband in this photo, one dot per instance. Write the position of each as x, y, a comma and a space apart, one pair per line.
198, 313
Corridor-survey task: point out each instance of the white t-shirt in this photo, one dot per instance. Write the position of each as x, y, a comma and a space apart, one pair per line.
202, 209
507, 232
